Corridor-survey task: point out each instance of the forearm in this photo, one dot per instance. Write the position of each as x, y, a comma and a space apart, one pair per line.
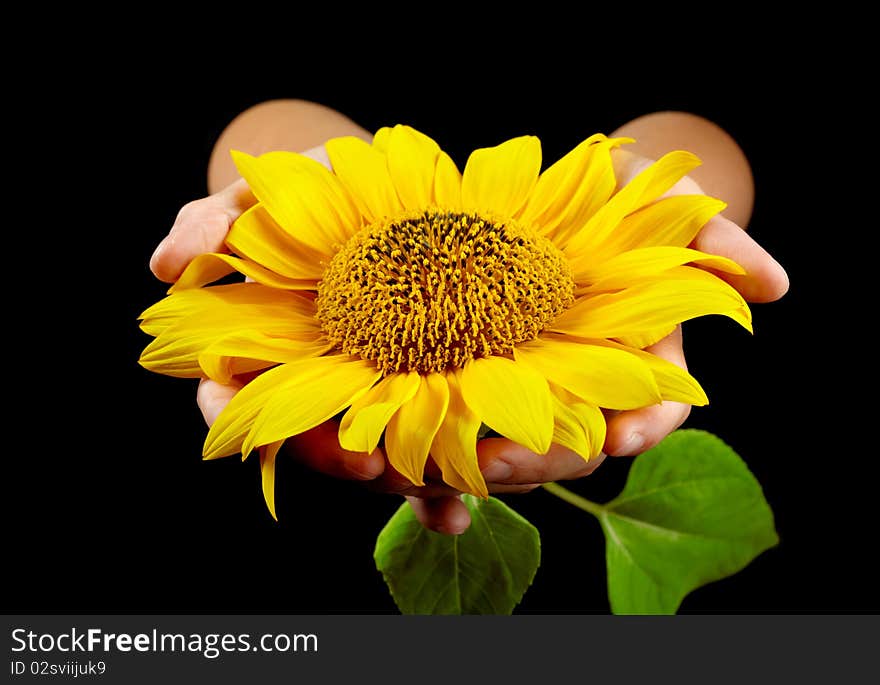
725, 172
299, 125
295, 125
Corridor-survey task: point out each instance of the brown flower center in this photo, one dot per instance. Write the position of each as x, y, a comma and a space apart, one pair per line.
432, 289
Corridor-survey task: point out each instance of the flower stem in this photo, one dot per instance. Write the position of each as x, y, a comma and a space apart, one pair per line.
578, 501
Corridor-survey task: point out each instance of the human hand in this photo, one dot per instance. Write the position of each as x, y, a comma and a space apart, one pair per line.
629, 432
507, 467
632, 432
202, 226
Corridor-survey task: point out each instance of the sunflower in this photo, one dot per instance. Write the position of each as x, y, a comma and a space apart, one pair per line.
423, 302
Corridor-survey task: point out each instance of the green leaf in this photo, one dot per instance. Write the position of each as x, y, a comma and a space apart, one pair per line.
691, 513
486, 570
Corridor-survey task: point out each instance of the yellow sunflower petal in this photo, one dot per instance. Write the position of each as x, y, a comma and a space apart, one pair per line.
412, 157
172, 309
674, 382
380, 139
683, 293
573, 189
642, 190
556, 187
364, 171
619, 271
247, 299
228, 432
447, 183
316, 390
268, 454
577, 425
302, 196
256, 236
412, 429
671, 221
212, 266
362, 426
499, 179
455, 445
244, 351
510, 398
176, 350
568, 431
646, 338
601, 376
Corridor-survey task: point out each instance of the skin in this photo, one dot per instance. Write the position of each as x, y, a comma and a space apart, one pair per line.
201, 226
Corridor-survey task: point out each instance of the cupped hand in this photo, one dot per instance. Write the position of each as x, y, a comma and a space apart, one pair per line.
201, 226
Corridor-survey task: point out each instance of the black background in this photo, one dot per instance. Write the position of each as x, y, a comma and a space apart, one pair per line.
111, 509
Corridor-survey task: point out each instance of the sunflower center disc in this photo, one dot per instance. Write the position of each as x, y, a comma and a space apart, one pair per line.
432, 289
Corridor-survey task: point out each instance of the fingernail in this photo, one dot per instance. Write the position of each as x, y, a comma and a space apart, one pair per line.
633, 444
497, 471
456, 525
443, 529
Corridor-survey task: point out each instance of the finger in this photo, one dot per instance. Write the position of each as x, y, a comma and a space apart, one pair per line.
519, 488
764, 281
432, 490
319, 450
632, 432
392, 481
212, 398
507, 467
505, 462
447, 515
436, 489
201, 226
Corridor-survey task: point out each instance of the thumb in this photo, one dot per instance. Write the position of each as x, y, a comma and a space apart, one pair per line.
202, 225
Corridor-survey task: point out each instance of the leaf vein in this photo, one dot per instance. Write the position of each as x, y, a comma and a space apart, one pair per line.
629, 555
672, 531
641, 495
506, 565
